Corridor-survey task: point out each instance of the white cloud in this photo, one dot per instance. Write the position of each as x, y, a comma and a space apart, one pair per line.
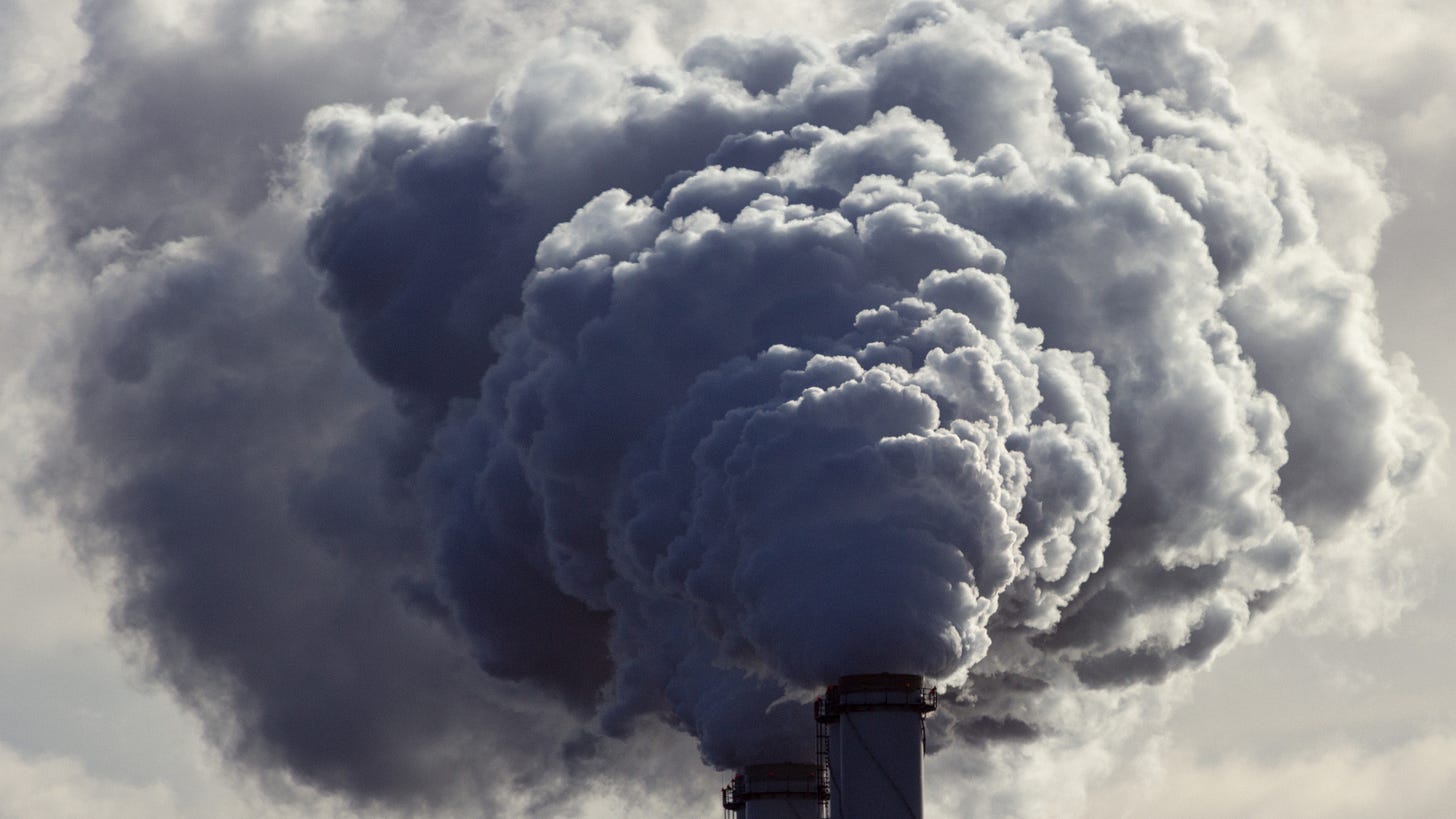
42, 49
1411, 780
61, 788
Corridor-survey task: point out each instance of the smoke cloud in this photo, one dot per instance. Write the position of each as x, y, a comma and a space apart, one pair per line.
656, 396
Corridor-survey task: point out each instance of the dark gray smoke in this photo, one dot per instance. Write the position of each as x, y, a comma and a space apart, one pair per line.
1008, 355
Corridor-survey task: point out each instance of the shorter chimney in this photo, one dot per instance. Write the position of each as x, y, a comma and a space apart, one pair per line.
784, 790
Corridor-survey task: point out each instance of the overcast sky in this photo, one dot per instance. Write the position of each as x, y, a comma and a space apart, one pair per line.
132, 126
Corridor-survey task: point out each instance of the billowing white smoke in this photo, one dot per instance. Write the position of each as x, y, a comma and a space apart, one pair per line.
781, 442
1011, 356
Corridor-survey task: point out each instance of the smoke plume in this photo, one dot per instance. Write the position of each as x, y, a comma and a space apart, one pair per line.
656, 397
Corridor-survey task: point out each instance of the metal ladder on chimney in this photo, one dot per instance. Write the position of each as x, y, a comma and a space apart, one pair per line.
821, 757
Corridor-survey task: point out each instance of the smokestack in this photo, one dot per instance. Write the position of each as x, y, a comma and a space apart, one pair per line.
872, 742
784, 790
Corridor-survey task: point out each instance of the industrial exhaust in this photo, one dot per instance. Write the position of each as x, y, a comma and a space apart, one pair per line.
871, 757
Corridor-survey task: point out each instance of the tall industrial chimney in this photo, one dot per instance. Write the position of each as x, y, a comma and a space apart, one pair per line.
786, 790
872, 742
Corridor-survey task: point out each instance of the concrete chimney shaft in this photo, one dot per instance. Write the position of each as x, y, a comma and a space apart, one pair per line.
786, 790
872, 728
